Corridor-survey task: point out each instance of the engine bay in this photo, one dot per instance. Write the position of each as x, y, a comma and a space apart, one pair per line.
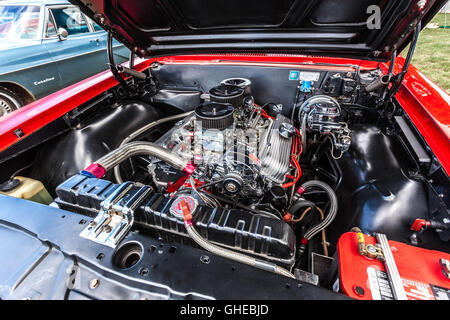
268, 167
242, 185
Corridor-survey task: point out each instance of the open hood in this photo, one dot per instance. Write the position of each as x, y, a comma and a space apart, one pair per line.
367, 29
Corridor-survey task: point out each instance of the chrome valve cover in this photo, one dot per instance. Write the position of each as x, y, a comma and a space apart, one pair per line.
275, 149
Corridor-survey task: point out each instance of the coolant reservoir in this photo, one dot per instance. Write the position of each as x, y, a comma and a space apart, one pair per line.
26, 188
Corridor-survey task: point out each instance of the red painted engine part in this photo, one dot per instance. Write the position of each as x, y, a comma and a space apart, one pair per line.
365, 279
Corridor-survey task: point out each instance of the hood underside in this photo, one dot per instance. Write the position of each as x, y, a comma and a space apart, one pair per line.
348, 28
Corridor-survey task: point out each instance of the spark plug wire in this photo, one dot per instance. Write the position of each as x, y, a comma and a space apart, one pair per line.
295, 154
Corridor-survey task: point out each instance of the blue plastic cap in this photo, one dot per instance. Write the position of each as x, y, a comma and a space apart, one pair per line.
306, 86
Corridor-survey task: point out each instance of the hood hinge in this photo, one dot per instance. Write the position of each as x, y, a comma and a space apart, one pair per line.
397, 79
117, 69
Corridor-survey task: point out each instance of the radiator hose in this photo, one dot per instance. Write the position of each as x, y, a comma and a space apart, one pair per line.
309, 234
205, 244
115, 157
140, 131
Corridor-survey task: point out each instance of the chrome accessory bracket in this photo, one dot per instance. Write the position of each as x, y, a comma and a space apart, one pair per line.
116, 215
391, 268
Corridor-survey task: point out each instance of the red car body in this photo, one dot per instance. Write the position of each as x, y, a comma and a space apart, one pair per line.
144, 158
427, 105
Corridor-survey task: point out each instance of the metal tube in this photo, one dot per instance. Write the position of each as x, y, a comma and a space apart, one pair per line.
235, 255
140, 131
399, 78
112, 65
119, 155
391, 268
131, 72
239, 257
154, 124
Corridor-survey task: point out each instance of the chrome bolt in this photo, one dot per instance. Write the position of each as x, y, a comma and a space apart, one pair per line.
94, 283
445, 264
230, 187
205, 259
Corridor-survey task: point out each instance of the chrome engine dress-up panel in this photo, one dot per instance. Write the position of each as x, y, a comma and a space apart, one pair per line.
275, 149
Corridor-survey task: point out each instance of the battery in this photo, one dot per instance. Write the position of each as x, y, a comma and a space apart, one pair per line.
365, 278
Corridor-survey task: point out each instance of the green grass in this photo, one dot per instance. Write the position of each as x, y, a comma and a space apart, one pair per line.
432, 54
440, 19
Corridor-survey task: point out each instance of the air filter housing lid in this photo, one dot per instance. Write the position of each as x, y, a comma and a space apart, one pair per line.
243, 83
225, 93
215, 115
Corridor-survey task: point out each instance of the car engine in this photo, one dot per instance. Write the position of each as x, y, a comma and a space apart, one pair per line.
243, 153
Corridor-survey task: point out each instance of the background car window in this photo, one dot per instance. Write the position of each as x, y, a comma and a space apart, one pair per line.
70, 19
19, 22
50, 29
96, 26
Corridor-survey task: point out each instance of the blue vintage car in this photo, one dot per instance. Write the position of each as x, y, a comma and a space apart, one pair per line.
45, 46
